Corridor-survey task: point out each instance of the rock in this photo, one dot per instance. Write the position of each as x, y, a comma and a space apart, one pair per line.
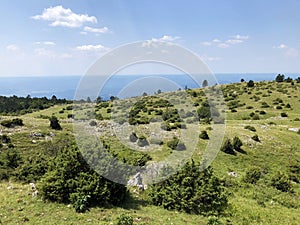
233, 174
294, 129
10, 187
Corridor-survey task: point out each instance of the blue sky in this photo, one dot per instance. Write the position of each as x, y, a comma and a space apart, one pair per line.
66, 37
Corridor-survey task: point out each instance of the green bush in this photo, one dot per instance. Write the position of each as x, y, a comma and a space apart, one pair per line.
203, 135
192, 191
124, 219
69, 178
252, 175
7, 123
237, 143
93, 123
255, 138
172, 144
283, 114
54, 123
251, 128
80, 203
281, 182
227, 147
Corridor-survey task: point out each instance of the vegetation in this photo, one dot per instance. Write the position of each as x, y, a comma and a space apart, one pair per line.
253, 180
191, 191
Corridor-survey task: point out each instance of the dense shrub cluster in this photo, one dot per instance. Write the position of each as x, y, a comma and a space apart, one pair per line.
22, 105
70, 179
192, 191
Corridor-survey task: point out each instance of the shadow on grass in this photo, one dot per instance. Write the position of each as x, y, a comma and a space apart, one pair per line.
241, 151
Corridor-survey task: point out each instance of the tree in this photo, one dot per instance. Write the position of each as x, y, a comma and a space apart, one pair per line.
242, 80
205, 83
279, 78
98, 99
54, 123
88, 100
250, 83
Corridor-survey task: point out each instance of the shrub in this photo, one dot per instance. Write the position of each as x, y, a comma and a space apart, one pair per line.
227, 147
80, 202
7, 123
54, 123
252, 175
255, 117
133, 137
17, 122
192, 191
124, 219
173, 143
262, 112
93, 123
12, 158
237, 143
250, 83
70, 179
203, 135
281, 182
251, 128
283, 114
142, 141
255, 138
278, 107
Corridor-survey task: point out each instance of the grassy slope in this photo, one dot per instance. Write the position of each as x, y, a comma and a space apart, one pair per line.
250, 204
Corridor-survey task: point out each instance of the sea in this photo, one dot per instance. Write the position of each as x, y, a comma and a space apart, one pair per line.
121, 86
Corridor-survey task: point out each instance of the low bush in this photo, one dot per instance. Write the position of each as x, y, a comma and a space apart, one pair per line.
203, 135
255, 138
281, 182
251, 128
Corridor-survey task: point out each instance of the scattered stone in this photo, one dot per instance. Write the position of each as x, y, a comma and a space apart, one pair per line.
35, 192
10, 188
294, 129
232, 174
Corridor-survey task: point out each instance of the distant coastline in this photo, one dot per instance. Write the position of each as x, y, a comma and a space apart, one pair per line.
65, 86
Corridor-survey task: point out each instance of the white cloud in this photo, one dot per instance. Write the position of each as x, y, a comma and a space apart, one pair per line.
44, 52
155, 42
12, 47
234, 41
96, 30
206, 43
223, 45
240, 37
281, 46
45, 43
209, 58
98, 48
60, 16
216, 40
169, 38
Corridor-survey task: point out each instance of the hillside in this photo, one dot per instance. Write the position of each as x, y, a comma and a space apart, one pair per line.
261, 177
